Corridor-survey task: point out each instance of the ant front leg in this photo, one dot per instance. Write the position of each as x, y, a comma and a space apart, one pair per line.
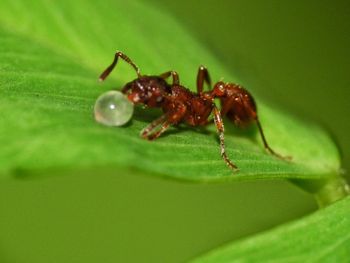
163, 122
175, 76
266, 145
149, 133
202, 76
121, 55
220, 128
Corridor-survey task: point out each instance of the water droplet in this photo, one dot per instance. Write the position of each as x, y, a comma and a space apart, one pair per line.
113, 108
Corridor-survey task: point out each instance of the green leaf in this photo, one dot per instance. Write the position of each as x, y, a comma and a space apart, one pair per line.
321, 237
51, 55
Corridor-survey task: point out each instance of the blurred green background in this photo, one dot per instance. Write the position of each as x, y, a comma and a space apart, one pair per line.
294, 55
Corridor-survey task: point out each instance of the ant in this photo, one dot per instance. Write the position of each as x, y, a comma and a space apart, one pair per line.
179, 104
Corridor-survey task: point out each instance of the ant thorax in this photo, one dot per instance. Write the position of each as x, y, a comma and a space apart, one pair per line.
196, 107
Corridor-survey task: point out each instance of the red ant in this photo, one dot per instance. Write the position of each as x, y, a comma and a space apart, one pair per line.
179, 104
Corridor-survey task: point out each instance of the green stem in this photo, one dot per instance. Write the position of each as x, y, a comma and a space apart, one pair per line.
325, 191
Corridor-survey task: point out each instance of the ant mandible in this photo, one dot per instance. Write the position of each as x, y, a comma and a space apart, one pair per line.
179, 104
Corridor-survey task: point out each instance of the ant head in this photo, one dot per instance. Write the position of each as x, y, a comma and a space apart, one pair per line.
135, 94
146, 91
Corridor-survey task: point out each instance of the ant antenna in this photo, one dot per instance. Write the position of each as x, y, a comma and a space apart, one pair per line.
108, 70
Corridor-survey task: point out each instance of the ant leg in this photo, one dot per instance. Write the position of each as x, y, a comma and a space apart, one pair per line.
146, 132
121, 55
163, 127
150, 133
202, 76
267, 147
220, 128
165, 75
163, 122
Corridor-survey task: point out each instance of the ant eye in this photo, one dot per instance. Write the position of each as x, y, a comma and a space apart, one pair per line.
113, 108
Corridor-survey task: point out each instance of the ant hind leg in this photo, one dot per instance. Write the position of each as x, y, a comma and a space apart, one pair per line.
266, 145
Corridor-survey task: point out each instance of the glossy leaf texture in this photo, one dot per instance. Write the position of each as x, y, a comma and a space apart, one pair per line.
51, 53
321, 237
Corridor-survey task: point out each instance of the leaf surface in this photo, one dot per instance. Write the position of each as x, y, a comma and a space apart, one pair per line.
50, 58
322, 237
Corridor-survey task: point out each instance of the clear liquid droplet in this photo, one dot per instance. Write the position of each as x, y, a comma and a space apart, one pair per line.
113, 108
